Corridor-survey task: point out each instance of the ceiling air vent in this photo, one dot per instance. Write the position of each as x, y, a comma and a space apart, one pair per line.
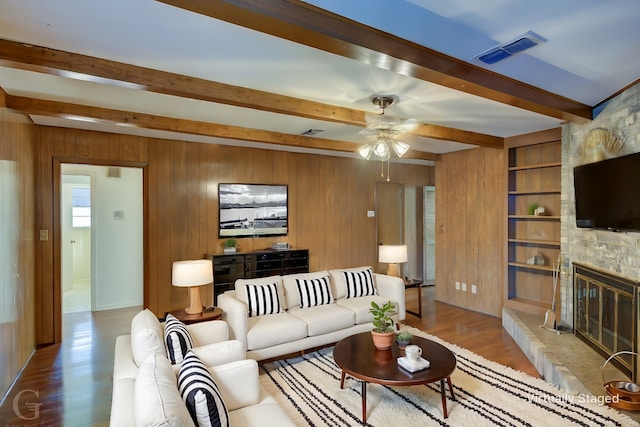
510, 48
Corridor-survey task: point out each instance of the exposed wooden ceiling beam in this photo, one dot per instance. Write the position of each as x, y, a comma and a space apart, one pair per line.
47, 108
72, 65
306, 24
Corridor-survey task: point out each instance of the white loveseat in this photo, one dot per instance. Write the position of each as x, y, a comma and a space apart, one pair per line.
145, 390
295, 328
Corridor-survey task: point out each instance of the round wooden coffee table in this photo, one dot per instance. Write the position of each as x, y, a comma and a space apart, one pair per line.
357, 356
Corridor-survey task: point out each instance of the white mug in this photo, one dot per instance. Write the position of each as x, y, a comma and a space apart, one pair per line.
413, 352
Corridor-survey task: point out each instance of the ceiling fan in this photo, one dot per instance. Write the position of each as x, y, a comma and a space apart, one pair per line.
385, 129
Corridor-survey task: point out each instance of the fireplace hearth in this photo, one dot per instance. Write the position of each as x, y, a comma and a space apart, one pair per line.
606, 314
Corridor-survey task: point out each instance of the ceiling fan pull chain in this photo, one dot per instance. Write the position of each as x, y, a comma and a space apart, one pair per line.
388, 171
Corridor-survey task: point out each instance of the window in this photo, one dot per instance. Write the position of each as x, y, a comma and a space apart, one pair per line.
81, 207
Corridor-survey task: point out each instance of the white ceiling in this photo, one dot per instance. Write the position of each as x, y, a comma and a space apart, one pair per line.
592, 52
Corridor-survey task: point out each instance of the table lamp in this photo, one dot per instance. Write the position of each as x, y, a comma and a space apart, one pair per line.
192, 274
392, 255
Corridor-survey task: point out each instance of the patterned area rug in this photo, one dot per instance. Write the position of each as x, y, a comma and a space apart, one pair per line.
487, 393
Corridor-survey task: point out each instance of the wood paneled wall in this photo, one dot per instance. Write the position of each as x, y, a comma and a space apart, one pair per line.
328, 202
470, 217
17, 243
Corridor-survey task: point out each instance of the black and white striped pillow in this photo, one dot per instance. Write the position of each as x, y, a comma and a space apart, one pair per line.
201, 394
262, 299
360, 283
177, 339
314, 292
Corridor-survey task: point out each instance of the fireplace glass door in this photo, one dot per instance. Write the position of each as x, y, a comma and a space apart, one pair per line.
604, 316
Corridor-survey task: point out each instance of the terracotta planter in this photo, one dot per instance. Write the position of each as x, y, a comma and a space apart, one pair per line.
383, 340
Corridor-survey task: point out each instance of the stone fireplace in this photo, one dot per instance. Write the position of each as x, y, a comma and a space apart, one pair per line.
614, 257
605, 314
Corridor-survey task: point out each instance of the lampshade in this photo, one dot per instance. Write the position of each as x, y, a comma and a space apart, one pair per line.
392, 253
191, 274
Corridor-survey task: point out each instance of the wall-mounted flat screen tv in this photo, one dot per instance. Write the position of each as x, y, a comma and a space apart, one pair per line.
608, 194
252, 210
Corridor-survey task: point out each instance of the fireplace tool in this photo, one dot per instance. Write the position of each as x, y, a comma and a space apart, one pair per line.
624, 394
550, 315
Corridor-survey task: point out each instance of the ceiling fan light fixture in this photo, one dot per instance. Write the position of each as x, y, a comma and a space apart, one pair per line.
365, 151
381, 150
385, 129
399, 147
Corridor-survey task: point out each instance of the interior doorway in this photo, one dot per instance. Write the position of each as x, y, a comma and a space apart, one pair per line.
101, 221
75, 205
389, 198
429, 233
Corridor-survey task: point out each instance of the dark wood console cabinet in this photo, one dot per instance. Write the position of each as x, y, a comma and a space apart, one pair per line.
229, 267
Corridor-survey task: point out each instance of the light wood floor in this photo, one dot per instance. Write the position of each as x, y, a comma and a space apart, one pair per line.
73, 379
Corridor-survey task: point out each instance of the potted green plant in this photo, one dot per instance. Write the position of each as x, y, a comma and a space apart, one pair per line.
383, 331
403, 338
532, 208
230, 246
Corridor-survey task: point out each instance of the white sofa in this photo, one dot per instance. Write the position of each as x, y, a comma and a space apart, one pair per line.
145, 390
295, 328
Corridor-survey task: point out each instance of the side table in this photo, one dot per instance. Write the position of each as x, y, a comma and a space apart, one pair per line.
417, 284
209, 313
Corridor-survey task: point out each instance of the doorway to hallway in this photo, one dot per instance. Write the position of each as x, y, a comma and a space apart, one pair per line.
76, 232
429, 235
101, 221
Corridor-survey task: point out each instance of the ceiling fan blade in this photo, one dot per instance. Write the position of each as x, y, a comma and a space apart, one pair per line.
408, 125
387, 122
380, 132
381, 121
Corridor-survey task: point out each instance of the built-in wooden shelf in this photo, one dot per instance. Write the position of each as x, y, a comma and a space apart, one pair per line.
534, 176
536, 217
535, 242
531, 266
527, 192
538, 166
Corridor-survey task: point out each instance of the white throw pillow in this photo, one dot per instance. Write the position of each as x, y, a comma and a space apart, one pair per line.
156, 399
241, 289
263, 299
201, 394
360, 283
339, 280
314, 292
290, 285
146, 336
177, 339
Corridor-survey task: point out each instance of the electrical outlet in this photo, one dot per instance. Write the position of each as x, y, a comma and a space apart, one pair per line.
463, 287
371, 214
44, 235
474, 289
457, 286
